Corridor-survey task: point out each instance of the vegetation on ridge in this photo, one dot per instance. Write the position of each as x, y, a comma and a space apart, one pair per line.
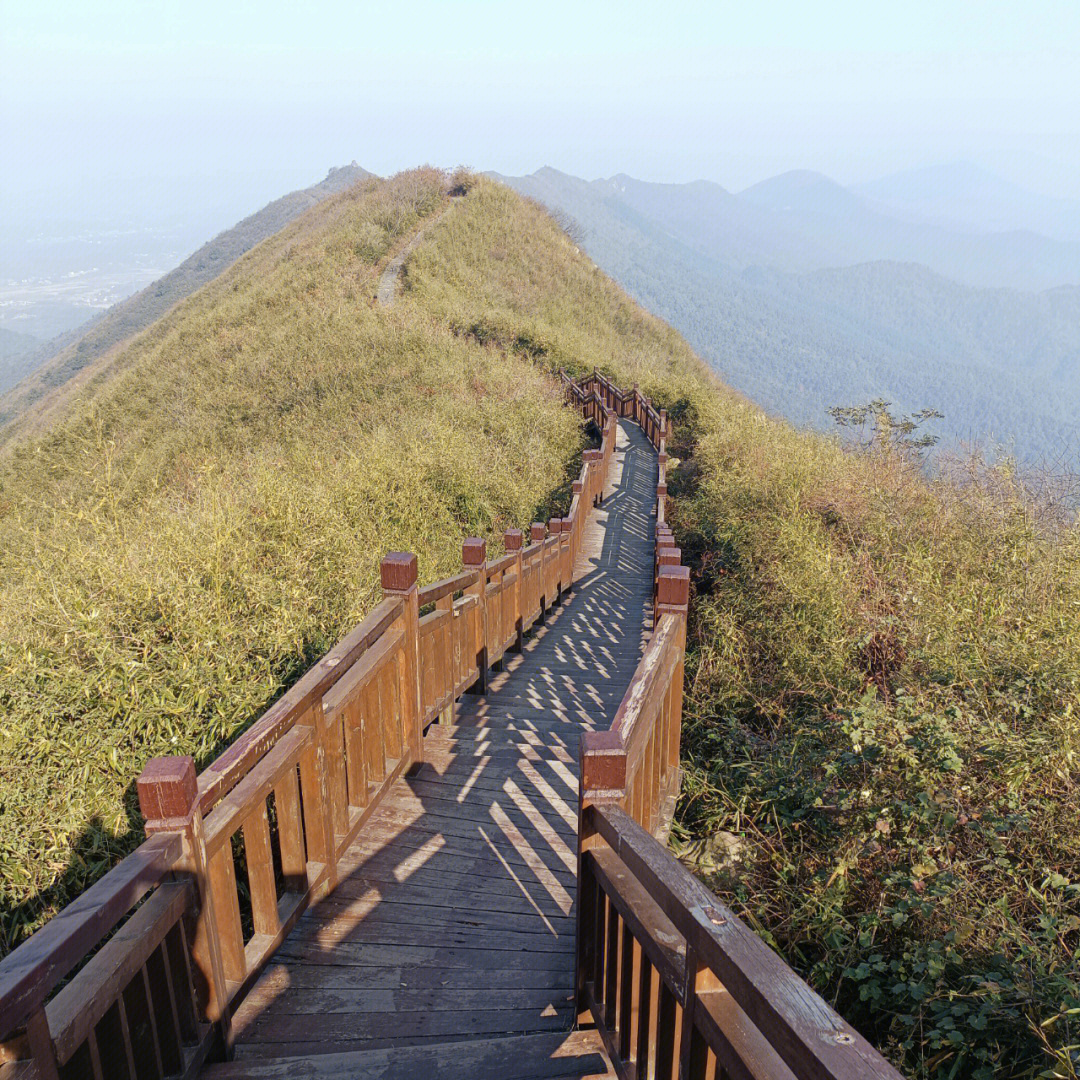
883, 713
884, 673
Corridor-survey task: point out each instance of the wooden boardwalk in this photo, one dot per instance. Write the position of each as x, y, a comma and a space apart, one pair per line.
341, 894
453, 920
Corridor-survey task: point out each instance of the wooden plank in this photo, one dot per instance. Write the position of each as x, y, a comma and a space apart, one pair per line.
545, 1056
260, 869
222, 875
439, 956
265, 1006
30, 973
290, 829
286, 974
358, 1028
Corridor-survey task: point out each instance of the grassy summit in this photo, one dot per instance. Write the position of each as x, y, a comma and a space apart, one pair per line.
885, 675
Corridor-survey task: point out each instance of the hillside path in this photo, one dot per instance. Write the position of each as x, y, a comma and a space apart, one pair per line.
453, 922
390, 278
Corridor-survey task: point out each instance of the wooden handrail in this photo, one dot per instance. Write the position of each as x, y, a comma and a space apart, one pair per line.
673, 980
318, 762
30, 973
741, 1007
447, 587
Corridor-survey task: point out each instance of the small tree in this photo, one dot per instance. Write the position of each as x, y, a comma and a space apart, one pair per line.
874, 427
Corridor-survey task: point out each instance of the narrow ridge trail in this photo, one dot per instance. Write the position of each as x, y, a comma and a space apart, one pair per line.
390, 278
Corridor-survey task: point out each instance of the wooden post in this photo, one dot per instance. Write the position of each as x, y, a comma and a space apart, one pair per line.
398, 574
538, 534
169, 800
602, 771
474, 557
42, 1048
596, 475
661, 435
555, 529
673, 597
512, 541
566, 551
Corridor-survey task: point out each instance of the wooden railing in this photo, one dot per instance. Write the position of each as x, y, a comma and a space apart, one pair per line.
165, 945
675, 983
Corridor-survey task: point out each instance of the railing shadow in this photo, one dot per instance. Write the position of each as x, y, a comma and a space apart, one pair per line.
454, 914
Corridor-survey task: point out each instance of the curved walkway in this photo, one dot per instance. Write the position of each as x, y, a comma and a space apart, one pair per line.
454, 918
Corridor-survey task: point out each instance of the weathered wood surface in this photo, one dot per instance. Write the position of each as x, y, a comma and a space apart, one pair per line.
453, 917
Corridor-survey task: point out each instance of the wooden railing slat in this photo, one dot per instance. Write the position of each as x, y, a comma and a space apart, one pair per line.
30, 973
86, 998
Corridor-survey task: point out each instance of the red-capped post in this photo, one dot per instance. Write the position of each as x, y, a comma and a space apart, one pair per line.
168, 792
398, 574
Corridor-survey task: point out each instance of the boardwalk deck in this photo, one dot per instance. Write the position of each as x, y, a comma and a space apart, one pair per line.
453, 918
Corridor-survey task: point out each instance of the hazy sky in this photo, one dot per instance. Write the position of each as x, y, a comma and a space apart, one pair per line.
110, 107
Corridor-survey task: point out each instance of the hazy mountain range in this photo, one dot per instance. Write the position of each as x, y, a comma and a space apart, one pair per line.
805, 294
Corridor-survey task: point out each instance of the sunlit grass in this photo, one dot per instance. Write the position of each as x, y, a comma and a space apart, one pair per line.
884, 681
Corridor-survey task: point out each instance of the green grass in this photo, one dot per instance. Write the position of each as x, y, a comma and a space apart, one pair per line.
883, 676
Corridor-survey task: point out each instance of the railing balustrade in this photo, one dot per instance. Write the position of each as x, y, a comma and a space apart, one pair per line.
140, 976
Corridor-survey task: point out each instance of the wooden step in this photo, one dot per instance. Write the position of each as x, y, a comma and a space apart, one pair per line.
548, 1056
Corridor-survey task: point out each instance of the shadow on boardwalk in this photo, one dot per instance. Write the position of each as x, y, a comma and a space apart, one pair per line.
454, 917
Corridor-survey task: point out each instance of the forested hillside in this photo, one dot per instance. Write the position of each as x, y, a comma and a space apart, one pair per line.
1000, 363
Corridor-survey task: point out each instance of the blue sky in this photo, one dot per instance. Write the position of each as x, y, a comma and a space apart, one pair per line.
124, 105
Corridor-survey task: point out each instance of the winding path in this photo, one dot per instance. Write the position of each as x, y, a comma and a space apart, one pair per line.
390, 278
447, 950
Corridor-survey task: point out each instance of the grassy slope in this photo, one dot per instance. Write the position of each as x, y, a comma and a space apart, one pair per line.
885, 684
209, 515
50, 368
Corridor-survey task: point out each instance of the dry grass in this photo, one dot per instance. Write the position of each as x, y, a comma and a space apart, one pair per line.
884, 673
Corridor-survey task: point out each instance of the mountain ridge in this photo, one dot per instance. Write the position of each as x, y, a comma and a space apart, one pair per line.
799, 341
64, 358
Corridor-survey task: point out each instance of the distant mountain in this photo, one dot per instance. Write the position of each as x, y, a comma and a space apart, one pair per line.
16, 351
1002, 364
850, 229
962, 195
804, 221
70, 354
